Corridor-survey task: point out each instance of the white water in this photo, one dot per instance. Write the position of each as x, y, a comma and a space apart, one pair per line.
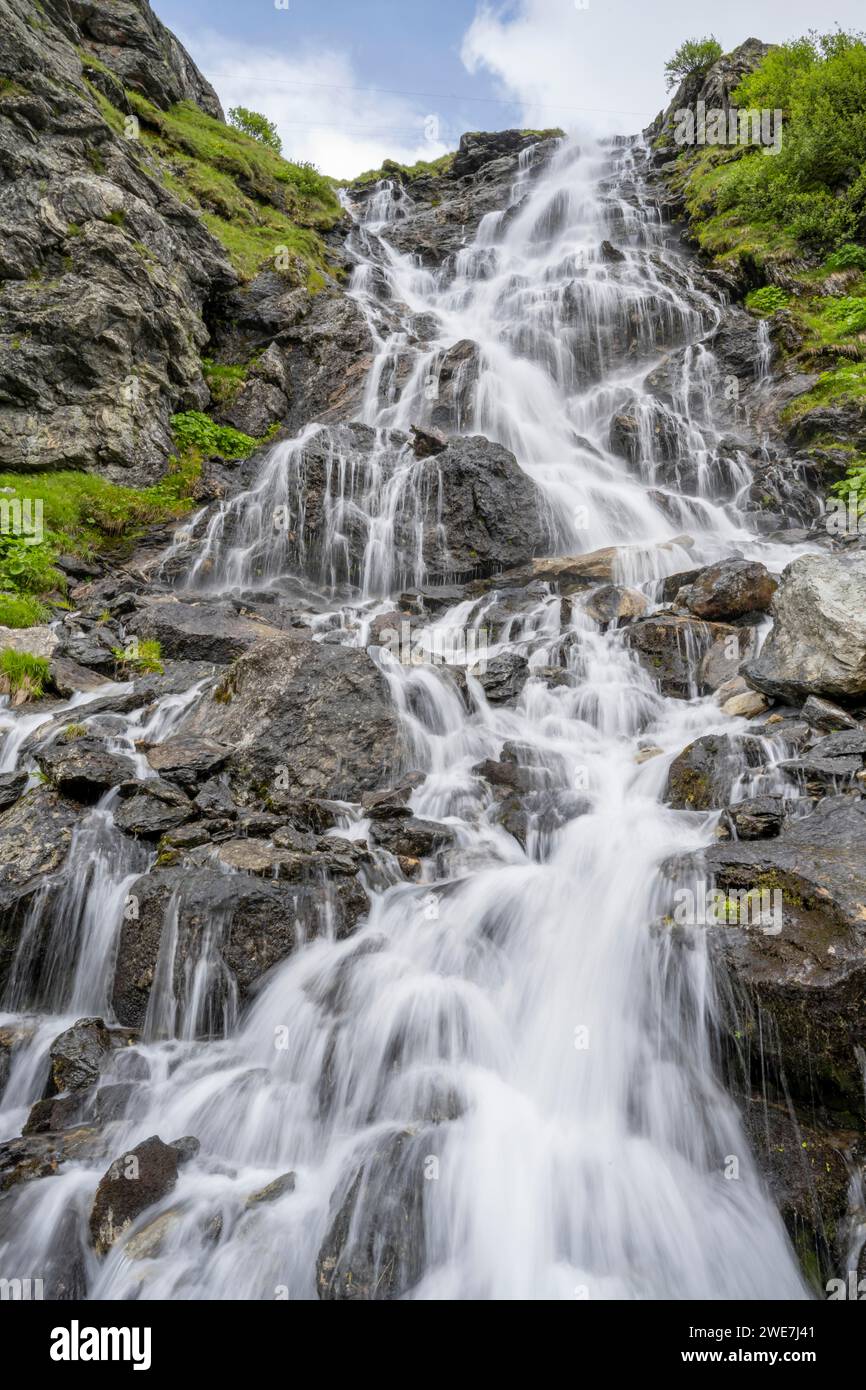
526, 1001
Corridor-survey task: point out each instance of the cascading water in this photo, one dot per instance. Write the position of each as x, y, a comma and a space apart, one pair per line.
514, 1051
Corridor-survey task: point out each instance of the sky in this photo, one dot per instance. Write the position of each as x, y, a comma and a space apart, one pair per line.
352, 82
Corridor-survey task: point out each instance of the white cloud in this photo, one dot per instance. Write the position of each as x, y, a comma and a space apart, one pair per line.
599, 64
319, 111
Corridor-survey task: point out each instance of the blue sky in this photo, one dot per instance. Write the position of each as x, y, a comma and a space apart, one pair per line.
351, 82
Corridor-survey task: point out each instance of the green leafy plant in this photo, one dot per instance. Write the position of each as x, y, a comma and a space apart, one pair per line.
695, 55
767, 300
257, 126
194, 431
848, 257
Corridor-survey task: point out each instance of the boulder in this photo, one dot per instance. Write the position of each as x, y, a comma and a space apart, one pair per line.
673, 651
802, 992
156, 807
827, 717
702, 777
12, 785
83, 768
818, 643
199, 631
728, 590
759, 818
302, 718
374, 1248
133, 1183
186, 759
35, 835
613, 603
77, 1056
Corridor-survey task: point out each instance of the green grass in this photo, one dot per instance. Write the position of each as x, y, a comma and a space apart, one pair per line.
139, 656
252, 199
22, 672
422, 168
224, 382
842, 385
21, 610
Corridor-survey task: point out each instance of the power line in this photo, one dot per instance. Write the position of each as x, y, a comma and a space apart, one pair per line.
428, 96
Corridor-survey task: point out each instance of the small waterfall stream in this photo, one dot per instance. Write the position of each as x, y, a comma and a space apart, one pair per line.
511, 1047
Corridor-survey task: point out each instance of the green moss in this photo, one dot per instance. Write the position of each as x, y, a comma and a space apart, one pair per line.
22, 672
767, 300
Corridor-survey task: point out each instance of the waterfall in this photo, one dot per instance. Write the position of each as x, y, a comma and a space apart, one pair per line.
513, 1051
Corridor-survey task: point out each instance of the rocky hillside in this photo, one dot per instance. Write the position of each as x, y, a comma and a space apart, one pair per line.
784, 233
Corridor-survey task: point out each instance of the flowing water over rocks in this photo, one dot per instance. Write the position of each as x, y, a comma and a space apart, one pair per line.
372, 921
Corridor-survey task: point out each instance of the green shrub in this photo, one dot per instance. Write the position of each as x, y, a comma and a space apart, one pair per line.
21, 610
695, 55
20, 672
257, 126
767, 300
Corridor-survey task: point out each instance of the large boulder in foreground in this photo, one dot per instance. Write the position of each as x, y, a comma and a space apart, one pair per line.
305, 718
818, 642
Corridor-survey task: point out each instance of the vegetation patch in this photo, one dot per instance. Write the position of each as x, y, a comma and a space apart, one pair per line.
142, 657
23, 676
251, 199
21, 610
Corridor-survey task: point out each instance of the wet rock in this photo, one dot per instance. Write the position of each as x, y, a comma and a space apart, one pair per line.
280, 1187
613, 603
186, 759
199, 631
808, 1171
134, 1182
702, 777
83, 768
721, 663
374, 1249
149, 1242
12, 785
503, 676
847, 743
111, 1102
48, 1116
802, 991
425, 443
247, 923
759, 818
304, 719
12, 1036
77, 1056
671, 649
608, 252
413, 839
215, 800
456, 375
156, 808
729, 590
827, 717
91, 649
68, 677
35, 1156
818, 642
394, 802
747, 705
35, 835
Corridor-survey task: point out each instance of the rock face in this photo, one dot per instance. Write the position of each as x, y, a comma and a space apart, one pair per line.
104, 274
77, 1056
198, 631
304, 718
818, 642
243, 925
808, 983
35, 835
